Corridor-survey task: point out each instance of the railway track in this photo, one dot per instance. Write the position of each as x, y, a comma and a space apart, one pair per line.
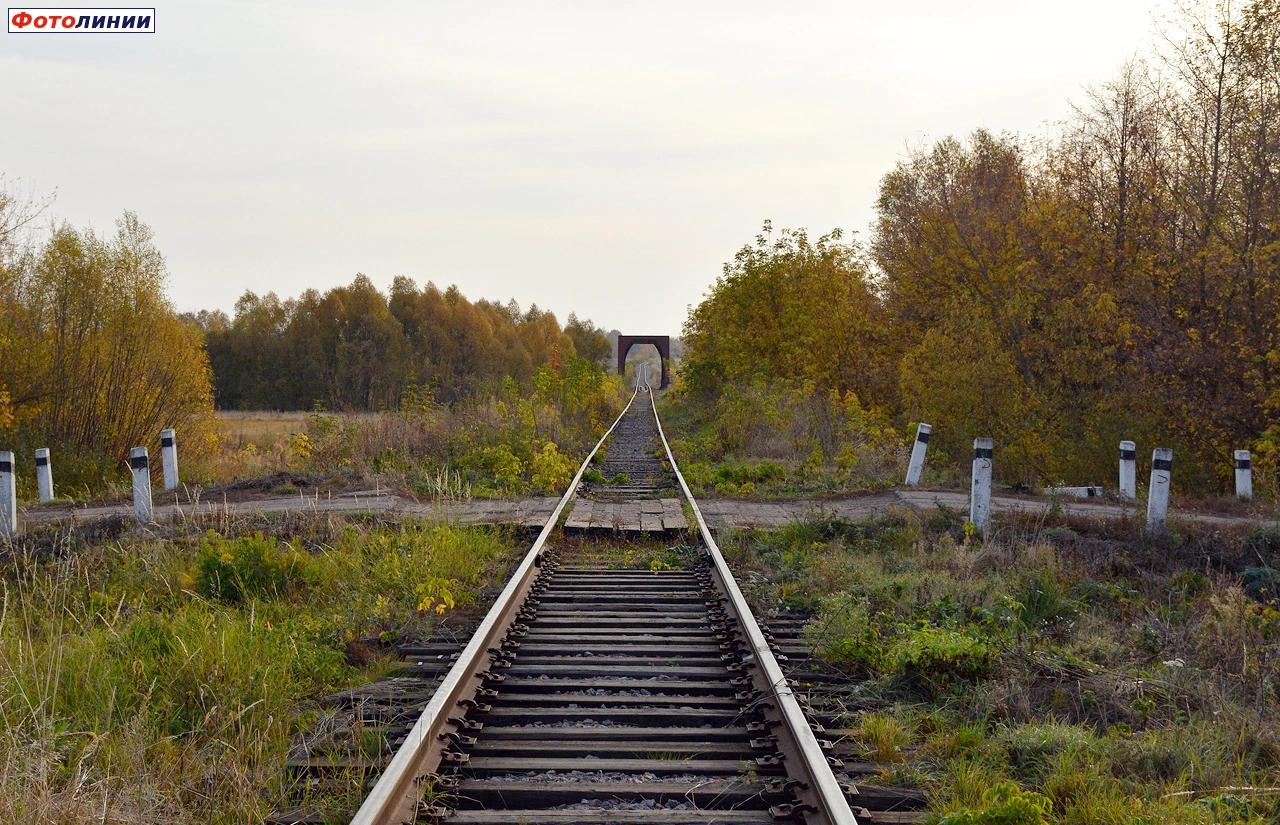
596, 693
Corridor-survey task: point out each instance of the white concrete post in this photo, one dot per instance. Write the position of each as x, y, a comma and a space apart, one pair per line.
169, 459
980, 493
8, 496
1244, 475
917, 454
44, 475
1128, 470
141, 484
1158, 492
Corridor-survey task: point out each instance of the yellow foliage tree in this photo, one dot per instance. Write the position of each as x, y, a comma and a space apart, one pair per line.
94, 358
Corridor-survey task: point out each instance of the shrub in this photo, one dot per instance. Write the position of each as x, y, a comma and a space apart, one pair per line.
502, 466
844, 635
1262, 583
234, 570
1004, 803
928, 655
552, 469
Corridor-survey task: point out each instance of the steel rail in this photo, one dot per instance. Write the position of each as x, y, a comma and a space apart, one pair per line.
394, 798
825, 798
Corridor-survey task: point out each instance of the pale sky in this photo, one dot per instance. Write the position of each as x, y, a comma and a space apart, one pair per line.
594, 156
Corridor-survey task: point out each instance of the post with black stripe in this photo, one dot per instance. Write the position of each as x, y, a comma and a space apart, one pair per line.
980, 493
169, 459
1129, 470
1158, 492
141, 484
8, 496
44, 475
918, 449
1244, 475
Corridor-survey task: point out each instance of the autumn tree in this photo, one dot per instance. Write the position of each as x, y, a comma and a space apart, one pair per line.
792, 308
94, 358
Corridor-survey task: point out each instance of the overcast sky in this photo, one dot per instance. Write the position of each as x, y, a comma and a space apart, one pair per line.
594, 156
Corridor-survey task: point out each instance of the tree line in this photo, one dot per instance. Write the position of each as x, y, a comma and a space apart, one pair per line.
356, 348
1119, 280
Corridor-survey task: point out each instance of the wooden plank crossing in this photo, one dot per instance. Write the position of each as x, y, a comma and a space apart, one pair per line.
629, 516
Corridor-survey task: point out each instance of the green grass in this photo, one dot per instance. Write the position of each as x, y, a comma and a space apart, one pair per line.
1066, 673
160, 679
